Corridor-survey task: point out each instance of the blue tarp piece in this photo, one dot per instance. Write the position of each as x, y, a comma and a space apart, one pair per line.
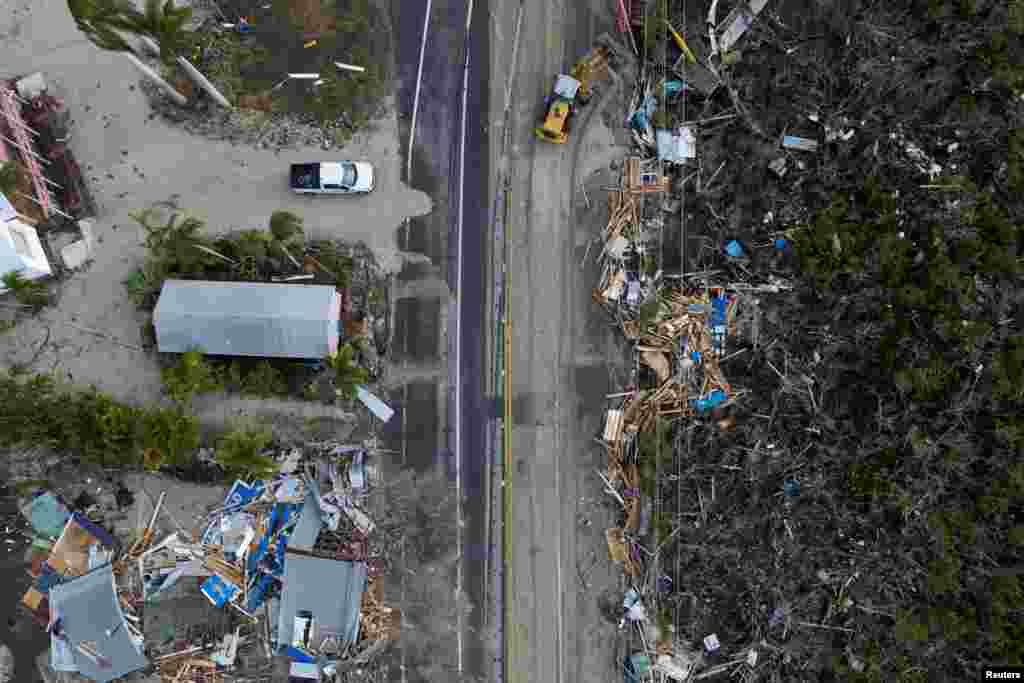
97, 532
733, 248
717, 322
258, 593
47, 514
791, 487
695, 355
780, 244
218, 591
641, 119
714, 399
635, 667
297, 655
242, 493
674, 87
48, 578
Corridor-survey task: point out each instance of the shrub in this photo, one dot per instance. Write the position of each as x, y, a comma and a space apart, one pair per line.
192, 375
264, 381
240, 452
347, 375
26, 292
169, 437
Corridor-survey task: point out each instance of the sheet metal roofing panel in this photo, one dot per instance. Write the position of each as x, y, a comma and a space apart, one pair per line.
89, 608
332, 590
247, 318
303, 537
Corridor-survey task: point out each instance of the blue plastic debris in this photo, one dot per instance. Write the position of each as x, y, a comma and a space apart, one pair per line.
664, 584
218, 591
780, 243
733, 248
258, 593
641, 119
47, 514
713, 400
791, 487
674, 87
297, 655
242, 493
635, 667
717, 322
695, 355
778, 616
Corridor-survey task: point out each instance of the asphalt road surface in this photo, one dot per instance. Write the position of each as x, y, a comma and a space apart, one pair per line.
558, 384
450, 162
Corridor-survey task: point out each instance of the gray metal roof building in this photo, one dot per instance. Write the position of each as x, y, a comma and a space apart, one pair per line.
248, 319
91, 614
331, 589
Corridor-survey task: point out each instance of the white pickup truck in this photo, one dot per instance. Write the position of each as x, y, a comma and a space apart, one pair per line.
332, 177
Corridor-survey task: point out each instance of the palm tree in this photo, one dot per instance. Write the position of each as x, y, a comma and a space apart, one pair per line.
173, 244
286, 227
106, 21
347, 375
241, 453
27, 292
166, 25
9, 176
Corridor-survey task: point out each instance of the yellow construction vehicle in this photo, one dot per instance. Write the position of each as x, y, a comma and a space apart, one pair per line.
593, 66
575, 89
561, 106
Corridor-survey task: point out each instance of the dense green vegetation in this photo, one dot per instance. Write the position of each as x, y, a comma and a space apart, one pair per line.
889, 381
38, 411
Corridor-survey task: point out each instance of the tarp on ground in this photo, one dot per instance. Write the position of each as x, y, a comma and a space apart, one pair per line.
332, 590
47, 514
90, 614
270, 320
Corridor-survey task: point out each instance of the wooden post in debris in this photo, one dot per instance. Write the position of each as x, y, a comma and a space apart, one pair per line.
153, 76
203, 83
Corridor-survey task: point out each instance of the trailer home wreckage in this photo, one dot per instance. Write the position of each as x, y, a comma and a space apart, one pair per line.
286, 574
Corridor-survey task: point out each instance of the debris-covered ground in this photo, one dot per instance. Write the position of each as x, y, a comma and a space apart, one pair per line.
201, 579
275, 64
812, 255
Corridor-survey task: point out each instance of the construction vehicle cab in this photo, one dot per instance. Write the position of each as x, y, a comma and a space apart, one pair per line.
561, 106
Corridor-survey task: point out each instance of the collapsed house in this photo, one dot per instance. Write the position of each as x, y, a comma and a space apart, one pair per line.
284, 568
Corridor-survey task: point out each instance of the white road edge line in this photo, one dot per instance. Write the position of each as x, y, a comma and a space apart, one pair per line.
458, 344
416, 97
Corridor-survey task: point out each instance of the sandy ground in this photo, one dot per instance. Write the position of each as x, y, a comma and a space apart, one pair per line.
136, 162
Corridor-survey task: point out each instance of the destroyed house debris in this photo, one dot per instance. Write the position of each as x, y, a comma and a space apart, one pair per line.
86, 615
293, 547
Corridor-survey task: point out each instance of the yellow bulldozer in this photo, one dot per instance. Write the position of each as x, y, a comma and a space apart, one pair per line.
570, 91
